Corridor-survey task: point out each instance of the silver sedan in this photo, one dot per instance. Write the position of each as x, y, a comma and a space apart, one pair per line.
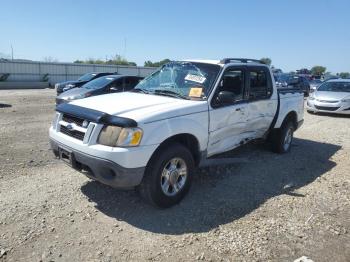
332, 96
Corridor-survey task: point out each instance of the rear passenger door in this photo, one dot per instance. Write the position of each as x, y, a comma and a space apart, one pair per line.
261, 109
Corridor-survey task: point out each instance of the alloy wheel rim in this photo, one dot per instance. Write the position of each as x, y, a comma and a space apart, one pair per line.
174, 176
288, 139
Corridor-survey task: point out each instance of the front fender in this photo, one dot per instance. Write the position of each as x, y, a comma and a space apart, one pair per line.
195, 124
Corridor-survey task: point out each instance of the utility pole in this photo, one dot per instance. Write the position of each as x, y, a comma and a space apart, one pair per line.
12, 52
125, 47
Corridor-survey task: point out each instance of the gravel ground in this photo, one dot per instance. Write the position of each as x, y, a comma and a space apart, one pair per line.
264, 207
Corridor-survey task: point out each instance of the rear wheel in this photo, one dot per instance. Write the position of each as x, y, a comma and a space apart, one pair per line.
282, 138
168, 176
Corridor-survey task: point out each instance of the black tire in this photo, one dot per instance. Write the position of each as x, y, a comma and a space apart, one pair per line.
150, 188
278, 138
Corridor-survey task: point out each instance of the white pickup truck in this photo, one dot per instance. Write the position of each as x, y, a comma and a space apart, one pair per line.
154, 136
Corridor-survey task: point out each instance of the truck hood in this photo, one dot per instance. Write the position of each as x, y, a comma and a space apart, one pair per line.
142, 107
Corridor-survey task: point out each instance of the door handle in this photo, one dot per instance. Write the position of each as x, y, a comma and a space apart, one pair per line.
240, 109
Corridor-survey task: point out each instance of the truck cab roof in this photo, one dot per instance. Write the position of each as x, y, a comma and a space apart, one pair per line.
228, 61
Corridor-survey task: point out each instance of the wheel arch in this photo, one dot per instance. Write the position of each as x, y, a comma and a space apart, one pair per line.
291, 116
185, 139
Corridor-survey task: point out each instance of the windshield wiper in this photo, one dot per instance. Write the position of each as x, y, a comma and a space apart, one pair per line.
141, 90
170, 93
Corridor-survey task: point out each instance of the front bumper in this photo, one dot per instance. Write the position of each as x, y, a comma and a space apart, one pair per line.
100, 169
334, 108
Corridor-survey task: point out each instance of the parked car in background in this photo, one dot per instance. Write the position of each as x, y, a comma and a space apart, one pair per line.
300, 82
99, 86
292, 81
173, 121
332, 96
65, 86
282, 79
314, 84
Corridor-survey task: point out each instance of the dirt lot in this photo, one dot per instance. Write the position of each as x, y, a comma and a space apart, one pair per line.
266, 207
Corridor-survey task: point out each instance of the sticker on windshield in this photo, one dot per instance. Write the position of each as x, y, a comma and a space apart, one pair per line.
195, 78
196, 92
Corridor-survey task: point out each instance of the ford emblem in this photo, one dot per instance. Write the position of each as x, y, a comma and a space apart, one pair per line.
70, 127
85, 123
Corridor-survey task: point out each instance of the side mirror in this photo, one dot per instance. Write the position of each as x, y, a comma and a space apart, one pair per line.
225, 98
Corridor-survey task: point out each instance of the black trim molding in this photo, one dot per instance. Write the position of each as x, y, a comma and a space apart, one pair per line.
95, 116
289, 90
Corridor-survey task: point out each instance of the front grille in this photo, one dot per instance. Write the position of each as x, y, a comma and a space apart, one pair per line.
326, 108
73, 133
72, 119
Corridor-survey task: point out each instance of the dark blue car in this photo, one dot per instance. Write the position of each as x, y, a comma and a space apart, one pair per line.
99, 86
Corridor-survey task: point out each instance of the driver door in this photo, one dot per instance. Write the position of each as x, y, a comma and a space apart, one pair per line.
228, 112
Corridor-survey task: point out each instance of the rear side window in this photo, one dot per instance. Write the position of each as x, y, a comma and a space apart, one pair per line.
260, 86
131, 82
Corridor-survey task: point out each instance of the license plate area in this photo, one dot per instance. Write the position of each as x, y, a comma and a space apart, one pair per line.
65, 156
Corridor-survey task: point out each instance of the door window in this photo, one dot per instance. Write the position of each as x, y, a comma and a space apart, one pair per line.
259, 84
130, 82
231, 88
116, 86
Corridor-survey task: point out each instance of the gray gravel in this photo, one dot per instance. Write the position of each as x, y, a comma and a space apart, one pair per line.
266, 207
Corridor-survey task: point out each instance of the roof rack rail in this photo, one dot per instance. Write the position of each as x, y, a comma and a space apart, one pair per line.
240, 60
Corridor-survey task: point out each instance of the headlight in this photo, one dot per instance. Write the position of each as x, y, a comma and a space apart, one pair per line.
346, 100
117, 136
70, 85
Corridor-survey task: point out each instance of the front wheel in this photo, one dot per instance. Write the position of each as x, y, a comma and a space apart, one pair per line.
168, 176
282, 138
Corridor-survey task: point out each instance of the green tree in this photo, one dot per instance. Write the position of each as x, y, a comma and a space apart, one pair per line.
266, 60
318, 70
156, 64
114, 60
344, 75
78, 61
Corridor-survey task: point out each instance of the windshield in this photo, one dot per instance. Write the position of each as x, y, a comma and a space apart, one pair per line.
98, 82
335, 87
86, 77
181, 79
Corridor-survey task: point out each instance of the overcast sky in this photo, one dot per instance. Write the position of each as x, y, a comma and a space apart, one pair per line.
293, 34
